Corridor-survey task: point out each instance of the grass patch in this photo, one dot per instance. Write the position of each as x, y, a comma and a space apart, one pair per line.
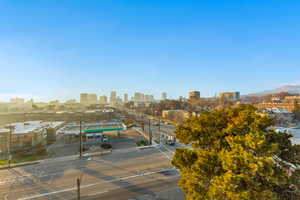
23, 159
143, 143
106, 146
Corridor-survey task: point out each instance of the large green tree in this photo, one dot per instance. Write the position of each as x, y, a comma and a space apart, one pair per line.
236, 155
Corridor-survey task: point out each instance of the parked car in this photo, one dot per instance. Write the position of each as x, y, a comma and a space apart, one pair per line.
170, 142
155, 124
104, 139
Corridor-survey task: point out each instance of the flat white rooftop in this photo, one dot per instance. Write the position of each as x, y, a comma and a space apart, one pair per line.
30, 126
4, 130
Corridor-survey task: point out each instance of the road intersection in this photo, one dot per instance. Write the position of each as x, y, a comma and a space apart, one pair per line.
101, 174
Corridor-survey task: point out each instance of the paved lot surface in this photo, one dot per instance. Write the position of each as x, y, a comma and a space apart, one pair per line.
70, 146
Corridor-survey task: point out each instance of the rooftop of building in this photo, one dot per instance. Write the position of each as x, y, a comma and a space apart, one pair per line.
30, 126
277, 110
4, 130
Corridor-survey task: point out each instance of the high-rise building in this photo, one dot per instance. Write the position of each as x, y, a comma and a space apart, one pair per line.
119, 101
149, 98
113, 97
139, 97
92, 99
87, 99
164, 96
84, 98
125, 98
103, 99
230, 95
194, 95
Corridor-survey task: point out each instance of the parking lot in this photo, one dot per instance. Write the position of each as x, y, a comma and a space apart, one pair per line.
66, 145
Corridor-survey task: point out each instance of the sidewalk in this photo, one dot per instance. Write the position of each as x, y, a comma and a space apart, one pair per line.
58, 159
13, 165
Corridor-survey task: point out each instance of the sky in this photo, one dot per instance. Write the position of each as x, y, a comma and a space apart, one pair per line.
56, 49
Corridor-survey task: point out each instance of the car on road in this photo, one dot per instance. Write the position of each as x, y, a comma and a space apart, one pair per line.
104, 139
170, 142
131, 126
156, 124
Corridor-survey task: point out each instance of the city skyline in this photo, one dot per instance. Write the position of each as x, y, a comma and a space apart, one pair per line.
146, 47
86, 97
130, 96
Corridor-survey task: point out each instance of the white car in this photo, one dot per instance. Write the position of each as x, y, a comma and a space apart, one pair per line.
104, 139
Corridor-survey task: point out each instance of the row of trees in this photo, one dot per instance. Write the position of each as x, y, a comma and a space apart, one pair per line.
236, 155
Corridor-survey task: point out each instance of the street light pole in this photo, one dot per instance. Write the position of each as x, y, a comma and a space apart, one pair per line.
80, 139
9, 149
150, 133
143, 122
78, 188
159, 134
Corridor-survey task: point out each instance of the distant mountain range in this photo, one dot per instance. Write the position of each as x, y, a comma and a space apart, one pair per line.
293, 89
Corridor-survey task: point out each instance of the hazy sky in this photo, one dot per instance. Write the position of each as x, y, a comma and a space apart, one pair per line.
57, 49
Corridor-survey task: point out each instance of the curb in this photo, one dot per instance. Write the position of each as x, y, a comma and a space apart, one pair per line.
96, 153
19, 165
147, 147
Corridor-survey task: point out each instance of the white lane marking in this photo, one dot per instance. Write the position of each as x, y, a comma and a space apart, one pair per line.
90, 185
147, 181
168, 157
105, 191
22, 178
168, 149
43, 174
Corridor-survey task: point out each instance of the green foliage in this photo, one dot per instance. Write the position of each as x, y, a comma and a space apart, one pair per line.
106, 146
143, 143
232, 156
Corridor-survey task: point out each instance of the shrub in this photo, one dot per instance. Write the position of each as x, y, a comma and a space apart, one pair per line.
143, 143
106, 146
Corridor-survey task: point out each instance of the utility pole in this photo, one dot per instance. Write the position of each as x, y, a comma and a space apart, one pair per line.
159, 134
9, 149
78, 180
80, 139
143, 122
150, 133
78, 188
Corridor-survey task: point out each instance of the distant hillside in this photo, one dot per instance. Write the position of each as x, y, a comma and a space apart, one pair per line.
293, 89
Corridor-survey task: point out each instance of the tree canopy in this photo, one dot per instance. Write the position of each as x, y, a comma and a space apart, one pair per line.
235, 155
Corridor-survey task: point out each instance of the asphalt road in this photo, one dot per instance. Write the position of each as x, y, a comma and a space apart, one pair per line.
125, 170
148, 187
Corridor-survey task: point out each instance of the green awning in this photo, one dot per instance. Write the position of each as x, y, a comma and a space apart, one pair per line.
103, 130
